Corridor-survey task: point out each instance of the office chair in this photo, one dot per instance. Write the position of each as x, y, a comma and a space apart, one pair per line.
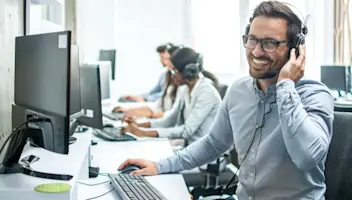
222, 90
209, 180
338, 172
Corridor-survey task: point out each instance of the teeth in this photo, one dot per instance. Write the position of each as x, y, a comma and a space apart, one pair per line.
261, 62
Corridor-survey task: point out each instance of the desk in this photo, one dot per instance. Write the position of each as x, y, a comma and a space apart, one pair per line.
20, 186
109, 155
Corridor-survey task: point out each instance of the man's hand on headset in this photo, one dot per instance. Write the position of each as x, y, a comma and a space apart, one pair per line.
294, 68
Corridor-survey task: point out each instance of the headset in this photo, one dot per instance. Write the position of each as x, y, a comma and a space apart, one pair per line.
192, 70
299, 39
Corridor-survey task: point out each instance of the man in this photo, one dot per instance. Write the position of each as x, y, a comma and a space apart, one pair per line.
281, 130
155, 93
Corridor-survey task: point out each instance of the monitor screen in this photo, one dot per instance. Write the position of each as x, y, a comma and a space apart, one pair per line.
42, 69
109, 55
335, 77
91, 96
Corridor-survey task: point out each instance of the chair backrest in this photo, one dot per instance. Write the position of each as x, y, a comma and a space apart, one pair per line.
338, 165
222, 90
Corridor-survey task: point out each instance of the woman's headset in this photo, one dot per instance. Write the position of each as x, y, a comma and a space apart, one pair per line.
191, 70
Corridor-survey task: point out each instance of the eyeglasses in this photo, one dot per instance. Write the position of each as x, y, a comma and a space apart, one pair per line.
268, 45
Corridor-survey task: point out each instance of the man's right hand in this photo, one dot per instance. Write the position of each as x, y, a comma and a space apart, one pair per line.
148, 168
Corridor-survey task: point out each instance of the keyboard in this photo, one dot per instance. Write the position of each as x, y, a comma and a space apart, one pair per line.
114, 116
132, 187
112, 134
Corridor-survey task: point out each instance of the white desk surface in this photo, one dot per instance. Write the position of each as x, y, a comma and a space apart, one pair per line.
109, 155
72, 164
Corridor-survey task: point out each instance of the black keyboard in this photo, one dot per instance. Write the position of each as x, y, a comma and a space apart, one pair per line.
112, 134
132, 187
114, 116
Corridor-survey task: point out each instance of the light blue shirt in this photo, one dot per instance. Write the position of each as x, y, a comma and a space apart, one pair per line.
157, 91
287, 157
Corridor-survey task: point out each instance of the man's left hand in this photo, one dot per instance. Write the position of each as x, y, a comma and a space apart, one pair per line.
294, 68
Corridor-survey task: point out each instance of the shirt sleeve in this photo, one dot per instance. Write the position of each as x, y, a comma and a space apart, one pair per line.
306, 122
205, 150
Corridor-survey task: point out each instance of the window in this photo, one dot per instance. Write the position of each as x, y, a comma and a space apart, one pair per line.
44, 16
216, 34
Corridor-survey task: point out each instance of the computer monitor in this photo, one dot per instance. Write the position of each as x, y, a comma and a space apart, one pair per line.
75, 93
109, 55
42, 88
336, 77
91, 96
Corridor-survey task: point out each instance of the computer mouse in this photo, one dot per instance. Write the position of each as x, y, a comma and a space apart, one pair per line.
129, 168
108, 126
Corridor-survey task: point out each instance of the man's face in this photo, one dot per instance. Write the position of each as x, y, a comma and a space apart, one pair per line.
165, 59
259, 60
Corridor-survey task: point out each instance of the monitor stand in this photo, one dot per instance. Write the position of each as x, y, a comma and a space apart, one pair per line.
14, 150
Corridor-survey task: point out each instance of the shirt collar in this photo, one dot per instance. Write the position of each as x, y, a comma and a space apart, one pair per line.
196, 86
270, 91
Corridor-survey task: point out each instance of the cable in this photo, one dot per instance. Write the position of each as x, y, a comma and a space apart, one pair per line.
101, 194
261, 126
12, 134
94, 184
19, 128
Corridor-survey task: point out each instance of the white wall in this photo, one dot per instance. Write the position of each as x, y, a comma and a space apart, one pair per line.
11, 25
141, 26
95, 27
134, 28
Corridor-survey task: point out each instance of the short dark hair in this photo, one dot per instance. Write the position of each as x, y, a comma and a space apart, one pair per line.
281, 10
164, 47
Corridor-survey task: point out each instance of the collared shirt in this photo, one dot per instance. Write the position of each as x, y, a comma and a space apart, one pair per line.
291, 130
192, 114
157, 91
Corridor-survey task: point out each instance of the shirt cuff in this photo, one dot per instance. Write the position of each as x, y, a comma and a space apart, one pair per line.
163, 132
285, 85
163, 166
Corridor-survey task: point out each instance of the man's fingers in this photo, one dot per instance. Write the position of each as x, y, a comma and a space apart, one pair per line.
140, 172
302, 55
293, 55
126, 162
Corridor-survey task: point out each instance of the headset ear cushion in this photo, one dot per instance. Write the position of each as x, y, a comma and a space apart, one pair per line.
190, 72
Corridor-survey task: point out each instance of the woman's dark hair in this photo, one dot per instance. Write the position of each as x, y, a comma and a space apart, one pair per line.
279, 10
185, 56
168, 82
164, 47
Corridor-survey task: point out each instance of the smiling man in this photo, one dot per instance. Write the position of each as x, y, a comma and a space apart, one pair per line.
281, 129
